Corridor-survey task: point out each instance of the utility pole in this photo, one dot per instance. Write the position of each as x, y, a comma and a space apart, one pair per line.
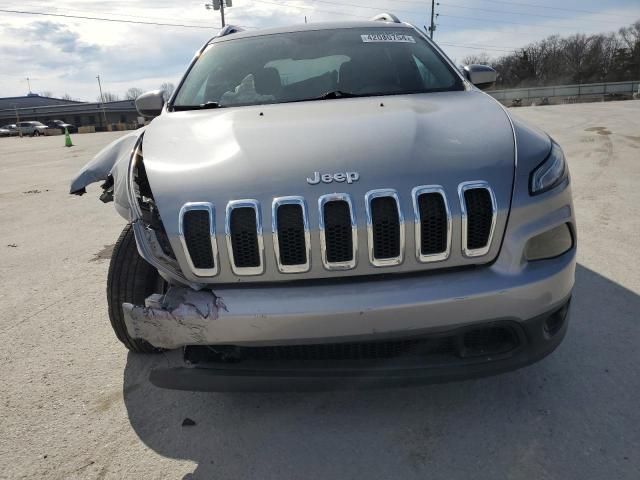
29, 84
219, 5
433, 25
104, 114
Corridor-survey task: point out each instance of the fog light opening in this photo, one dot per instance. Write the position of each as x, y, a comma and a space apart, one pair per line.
550, 244
554, 323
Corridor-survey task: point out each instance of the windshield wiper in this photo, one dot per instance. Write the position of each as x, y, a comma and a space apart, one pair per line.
337, 94
202, 106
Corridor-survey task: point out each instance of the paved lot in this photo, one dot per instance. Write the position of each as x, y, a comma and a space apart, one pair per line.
76, 405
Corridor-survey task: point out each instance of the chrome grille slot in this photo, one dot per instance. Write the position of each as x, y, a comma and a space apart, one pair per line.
432, 223
243, 230
478, 206
338, 231
385, 228
291, 235
198, 238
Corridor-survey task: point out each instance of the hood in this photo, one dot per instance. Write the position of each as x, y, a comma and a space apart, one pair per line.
267, 151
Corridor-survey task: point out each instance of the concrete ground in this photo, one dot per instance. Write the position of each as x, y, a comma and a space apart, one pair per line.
75, 404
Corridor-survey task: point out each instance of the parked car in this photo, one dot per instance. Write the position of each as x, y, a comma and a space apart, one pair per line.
12, 128
4, 132
341, 207
62, 125
34, 129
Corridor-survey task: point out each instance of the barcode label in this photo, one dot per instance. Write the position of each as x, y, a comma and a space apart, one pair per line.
388, 37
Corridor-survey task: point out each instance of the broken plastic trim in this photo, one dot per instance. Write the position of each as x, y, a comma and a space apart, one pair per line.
149, 246
179, 317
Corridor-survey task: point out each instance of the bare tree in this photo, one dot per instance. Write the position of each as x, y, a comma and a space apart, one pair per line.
579, 58
168, 89
109, 97
481, 58
46, 93
66, 96
133, 93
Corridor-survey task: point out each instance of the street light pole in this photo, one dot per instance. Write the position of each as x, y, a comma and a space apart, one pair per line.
104, 114
219, 5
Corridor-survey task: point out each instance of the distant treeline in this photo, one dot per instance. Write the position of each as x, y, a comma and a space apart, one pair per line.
556, 60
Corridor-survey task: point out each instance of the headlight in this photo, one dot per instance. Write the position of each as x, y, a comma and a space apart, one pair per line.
551, 173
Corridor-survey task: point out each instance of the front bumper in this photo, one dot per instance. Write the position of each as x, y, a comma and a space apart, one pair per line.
535, 338
366, 310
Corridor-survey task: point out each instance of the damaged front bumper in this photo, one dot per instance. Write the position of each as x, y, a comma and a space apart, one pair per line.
240, 325
342, 311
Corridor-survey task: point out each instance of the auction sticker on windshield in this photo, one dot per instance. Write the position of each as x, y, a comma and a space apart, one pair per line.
388, 37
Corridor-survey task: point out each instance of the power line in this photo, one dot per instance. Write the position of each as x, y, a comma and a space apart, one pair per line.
489, 20
554, 8
286, 5
478, 47
102, 19
83, 12
452, 5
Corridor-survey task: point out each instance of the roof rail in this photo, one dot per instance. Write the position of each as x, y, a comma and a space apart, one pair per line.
386, 17
228, 30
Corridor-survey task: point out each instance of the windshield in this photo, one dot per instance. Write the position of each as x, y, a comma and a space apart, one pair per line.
291, 67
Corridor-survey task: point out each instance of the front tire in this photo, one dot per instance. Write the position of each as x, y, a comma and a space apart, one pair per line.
130, 280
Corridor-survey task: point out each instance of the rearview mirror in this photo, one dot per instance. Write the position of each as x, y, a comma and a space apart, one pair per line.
482, 76
150, 104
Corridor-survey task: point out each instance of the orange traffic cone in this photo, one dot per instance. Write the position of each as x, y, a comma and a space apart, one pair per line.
67, 138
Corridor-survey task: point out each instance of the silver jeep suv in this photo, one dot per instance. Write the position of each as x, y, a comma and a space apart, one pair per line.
336, 205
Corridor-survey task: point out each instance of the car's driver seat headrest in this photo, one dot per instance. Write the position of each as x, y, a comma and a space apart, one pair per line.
267, 81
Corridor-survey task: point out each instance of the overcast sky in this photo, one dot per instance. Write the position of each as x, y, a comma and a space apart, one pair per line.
64, 55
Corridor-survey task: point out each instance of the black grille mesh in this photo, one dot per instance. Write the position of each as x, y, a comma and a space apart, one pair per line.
386, 228
244, 237
197, 237
433, 223
291, 241
479, 216
478, 342
337, 231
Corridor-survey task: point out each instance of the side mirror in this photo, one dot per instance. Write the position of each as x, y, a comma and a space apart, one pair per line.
482, 76
150, 104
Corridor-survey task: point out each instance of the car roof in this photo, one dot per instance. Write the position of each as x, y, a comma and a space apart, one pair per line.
307, 27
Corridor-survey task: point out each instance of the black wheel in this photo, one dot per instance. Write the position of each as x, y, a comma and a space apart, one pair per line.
130, 280
36, 133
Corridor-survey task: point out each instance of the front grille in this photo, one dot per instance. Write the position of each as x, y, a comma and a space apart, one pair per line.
291, 234
337, 231
480, 217
244, 237
197, 234
462, 344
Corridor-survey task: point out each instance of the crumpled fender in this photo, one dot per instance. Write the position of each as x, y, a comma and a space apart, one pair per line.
111, 161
